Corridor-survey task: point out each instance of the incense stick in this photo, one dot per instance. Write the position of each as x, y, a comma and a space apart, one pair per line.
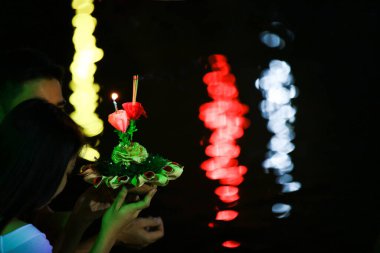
135, 86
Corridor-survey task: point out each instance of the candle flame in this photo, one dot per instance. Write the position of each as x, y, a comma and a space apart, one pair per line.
114, 96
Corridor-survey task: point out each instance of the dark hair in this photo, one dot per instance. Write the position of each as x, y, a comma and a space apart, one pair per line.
37, 141
23, 64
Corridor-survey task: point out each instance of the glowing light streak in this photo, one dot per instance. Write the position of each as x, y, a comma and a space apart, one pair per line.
277, 88
224, 116
84, 97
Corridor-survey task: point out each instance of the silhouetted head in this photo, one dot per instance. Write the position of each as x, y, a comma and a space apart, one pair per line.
38, 147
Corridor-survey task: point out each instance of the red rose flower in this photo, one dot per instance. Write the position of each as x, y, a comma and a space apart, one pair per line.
134, 110
119, 120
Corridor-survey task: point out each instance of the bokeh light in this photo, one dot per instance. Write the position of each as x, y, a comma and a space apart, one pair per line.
85, 92
277, 88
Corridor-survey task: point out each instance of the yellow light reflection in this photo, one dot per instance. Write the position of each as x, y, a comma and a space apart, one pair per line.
89, 153
85, 92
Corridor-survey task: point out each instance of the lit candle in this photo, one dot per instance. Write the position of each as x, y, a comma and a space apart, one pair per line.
114, 96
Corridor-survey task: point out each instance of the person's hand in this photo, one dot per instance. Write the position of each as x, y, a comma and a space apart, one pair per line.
138, 234
120, 214
142, 190
136, 193
92, 204
141, 232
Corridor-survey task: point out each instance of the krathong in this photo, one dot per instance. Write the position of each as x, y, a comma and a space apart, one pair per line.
130, 162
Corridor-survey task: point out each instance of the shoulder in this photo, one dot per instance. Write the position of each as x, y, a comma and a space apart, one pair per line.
14, 224
24, 237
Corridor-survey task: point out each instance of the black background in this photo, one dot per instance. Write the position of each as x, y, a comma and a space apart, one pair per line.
334, 62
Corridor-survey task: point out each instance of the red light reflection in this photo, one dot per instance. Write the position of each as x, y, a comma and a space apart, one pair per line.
231, 244
227, 194
226, 215
217, 162
225, 117
232, 180
223, 149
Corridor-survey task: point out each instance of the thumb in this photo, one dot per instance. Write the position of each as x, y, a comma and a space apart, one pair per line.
120, 198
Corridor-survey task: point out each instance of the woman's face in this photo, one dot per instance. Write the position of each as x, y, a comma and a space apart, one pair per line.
68, 171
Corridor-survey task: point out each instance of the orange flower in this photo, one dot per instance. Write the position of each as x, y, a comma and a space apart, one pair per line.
119, 120
134, 110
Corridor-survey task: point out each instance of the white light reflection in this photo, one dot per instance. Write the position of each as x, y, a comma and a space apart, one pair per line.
277, 88
271, 39
282, 210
